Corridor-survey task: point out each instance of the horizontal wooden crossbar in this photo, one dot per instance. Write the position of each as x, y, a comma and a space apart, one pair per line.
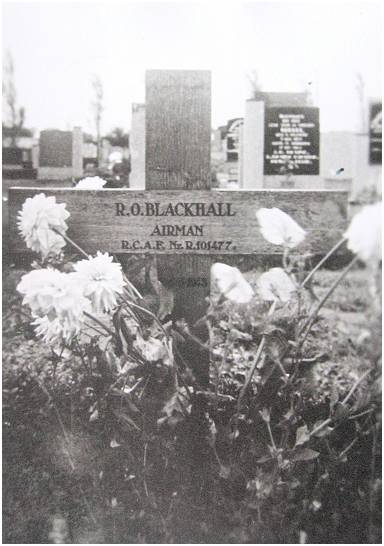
187, 222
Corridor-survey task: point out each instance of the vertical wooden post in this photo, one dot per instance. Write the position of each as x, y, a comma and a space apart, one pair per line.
178, 149
178, 129
178, 140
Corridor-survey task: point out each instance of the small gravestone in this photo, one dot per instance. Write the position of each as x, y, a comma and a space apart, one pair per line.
55, 148
233, 139
281, 142
375, 133
35, 156
60, 154
232, 150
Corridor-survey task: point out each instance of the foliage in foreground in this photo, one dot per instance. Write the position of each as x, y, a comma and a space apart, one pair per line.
128, 441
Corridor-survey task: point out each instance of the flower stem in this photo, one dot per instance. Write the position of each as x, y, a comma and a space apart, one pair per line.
322, 261
343, 402
355, 385
286, 259
69, 240
77, 247
94, 328
134, 290
257, 358
307, 326
156, 319
99, 323
150, 314
271, 435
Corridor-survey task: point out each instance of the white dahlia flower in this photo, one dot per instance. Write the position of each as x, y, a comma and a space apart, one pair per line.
57, 303
102, 281
36, 219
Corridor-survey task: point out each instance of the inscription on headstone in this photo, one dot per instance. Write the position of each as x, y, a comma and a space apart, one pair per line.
291, 141
375, 133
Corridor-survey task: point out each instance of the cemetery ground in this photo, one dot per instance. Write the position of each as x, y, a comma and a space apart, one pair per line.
184, 478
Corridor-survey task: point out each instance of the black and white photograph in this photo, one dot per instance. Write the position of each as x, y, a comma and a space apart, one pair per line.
192, 286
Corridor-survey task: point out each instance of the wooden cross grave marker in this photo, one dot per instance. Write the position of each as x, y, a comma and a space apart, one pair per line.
178, 217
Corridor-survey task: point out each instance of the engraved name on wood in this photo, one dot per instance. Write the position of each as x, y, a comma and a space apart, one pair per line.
188, 222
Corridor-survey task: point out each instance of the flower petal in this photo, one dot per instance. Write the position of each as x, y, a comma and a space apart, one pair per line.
102, 280
230, 283
279, 228
275, 285
57, 303
364, 233
39, 214
91, 183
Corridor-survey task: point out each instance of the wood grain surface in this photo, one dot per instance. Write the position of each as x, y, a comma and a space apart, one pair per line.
178, 129
95, 225
178, 156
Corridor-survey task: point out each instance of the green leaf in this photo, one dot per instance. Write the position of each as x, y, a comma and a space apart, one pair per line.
94, 416
165, 295
322, 432
302, 435
176, 408
126, 333
264, 459
211, 437
341, 412
235, 335
124, 419
225, 472
304, 454
265, 415
334, 398
223, 325
166, 299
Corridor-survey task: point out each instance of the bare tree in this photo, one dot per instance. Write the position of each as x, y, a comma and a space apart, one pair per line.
16, 116
254, 82
98, 108
118, 137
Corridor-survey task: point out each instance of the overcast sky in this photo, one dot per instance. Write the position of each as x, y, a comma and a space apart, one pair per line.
57, 47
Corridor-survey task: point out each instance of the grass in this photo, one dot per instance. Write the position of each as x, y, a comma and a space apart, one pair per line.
169, 490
